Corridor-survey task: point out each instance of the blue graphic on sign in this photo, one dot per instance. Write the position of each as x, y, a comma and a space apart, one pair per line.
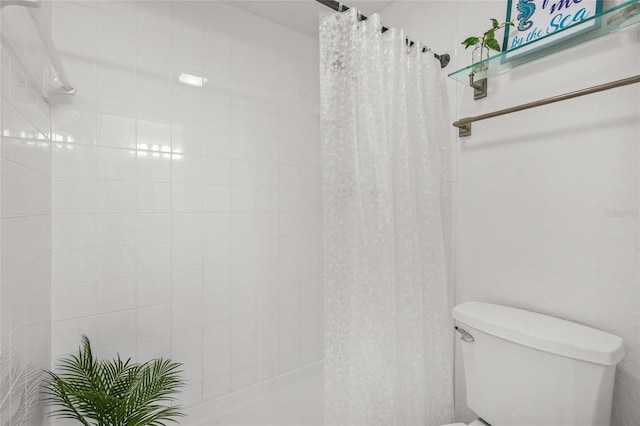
526, 8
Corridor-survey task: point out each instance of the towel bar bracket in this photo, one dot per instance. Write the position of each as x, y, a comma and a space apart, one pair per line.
464, 128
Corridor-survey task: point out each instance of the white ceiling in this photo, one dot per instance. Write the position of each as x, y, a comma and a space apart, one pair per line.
302, 15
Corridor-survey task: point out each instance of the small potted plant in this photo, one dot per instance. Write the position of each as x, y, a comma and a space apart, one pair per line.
113, 392
485, 42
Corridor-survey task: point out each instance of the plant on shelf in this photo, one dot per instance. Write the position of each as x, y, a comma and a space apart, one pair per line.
486, 41
113, 392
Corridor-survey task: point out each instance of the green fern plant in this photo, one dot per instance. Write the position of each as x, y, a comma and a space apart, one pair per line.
113, 392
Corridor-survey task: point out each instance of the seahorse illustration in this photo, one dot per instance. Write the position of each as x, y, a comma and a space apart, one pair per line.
526, 9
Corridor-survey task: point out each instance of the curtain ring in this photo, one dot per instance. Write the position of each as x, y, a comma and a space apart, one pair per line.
339, 11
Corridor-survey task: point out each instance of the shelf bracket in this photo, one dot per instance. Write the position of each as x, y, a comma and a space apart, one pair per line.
479, 87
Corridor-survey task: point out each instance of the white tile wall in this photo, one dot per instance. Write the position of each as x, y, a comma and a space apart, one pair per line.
186, 220
25, 218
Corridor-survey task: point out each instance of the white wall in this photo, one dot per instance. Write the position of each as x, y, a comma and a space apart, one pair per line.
186, 221
547, 200
25, 220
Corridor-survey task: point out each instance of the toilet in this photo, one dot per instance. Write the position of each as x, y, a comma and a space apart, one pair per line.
527, 369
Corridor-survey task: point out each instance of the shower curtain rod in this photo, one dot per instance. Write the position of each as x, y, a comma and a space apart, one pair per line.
52, 53
340, 7
43, 33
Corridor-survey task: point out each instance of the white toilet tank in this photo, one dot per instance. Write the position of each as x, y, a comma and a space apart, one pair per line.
529, 369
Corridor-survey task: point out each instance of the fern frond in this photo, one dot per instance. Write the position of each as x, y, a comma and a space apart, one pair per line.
113, 392
158, 381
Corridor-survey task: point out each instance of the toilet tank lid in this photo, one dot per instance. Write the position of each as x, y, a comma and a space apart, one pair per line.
542, 332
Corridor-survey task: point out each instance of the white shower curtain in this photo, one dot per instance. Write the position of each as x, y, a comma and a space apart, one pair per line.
389, 338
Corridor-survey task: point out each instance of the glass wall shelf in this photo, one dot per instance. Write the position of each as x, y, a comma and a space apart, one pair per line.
611, 20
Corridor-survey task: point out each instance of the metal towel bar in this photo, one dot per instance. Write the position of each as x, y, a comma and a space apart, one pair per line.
464, 124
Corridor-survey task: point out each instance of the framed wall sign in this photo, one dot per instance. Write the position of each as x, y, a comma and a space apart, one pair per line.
535, 19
